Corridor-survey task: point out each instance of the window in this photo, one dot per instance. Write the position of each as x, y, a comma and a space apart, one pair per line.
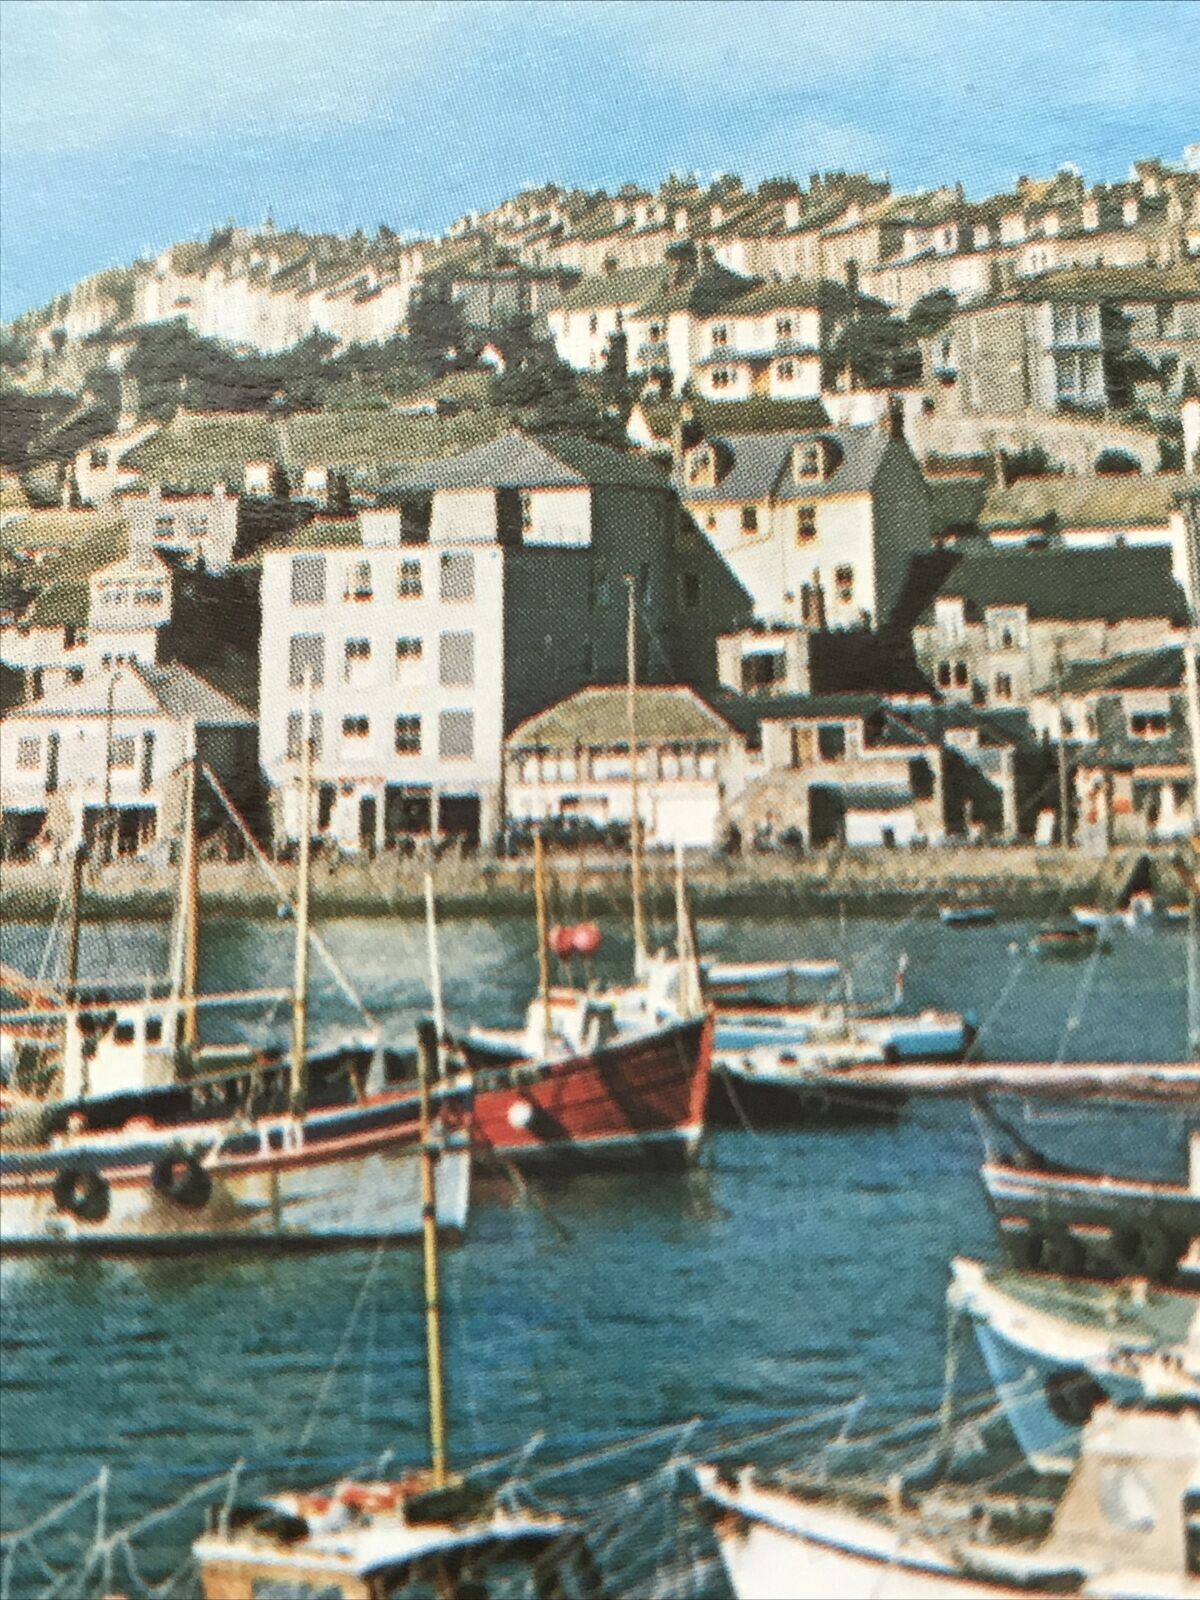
749, 519
843, 579
1148, 724
456, 660
761, 669
408, 650
458, 575
122, 752
943, 674
960, 674
721, 378
408, 580
456, 734
720, 336
1003, 690
151, 596
620, 323
831, 741
408, 736
357, 727
806, 524
154, 1030
785, 371
593, 323
358, 581
689, 591
807, 461
526, 503
29, 755
164, 527
295, 727
306, 656
699, 465
783, 327
357, 650
308, 580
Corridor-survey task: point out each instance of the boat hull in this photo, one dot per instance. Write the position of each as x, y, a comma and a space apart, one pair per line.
336, 1181
1102, 1225
739, 1099
927, 1036
637, 1101
774, 1547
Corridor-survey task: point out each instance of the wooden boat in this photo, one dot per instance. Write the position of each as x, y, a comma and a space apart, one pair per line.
1065, 1219
140, 1146
1056, 1347
1066, 940
966, 916
799, 1084
1124, 1526
426, 1531
929, 1035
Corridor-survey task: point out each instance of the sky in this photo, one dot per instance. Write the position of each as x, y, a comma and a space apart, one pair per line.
127, 125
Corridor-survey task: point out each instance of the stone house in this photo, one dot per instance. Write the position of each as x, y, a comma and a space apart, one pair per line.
1001, 623
198, 529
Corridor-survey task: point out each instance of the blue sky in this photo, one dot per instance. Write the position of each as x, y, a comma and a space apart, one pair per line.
128, 124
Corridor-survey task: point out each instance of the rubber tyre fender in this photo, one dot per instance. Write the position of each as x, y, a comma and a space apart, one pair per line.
178, 1176
81, 1192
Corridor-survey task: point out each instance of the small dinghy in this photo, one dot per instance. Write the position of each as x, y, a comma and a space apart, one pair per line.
1066, 940
977, 916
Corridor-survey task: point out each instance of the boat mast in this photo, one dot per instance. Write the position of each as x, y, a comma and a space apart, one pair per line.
1192, 568
427, 1055
435, 966
71, 960
191, 907
690, 998
300, 980
635, 814
1064, 797
543, 934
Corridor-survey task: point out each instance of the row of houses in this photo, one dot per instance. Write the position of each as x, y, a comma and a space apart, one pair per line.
845, 676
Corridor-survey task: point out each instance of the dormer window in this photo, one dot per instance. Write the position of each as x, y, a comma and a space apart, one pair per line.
783, 327
808, 463
948, 615
700, 467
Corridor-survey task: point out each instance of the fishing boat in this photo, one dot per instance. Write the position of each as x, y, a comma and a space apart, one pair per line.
799, 1084
1056, 1347
429, 1530
966, 916
929, 1035
1124, 1526
1052, 1215
139, 1141
1134, 908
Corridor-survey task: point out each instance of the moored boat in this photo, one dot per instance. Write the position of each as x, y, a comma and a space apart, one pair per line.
1056, 1347
1067, 940
800, 1084
1123, 1526
966, 916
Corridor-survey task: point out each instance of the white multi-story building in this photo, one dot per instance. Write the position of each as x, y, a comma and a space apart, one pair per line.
494, 586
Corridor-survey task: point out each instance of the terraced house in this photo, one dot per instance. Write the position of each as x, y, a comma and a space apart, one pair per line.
486, 587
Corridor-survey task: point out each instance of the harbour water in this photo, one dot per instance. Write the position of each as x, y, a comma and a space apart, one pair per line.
789, 1271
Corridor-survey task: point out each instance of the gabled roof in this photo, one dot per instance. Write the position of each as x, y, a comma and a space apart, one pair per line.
1124, 500
1116, 584
760, 466
712, 289
795, 294
1145, 669
600, 716
142, 689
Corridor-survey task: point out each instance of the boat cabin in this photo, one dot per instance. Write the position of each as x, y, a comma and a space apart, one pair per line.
115, 1046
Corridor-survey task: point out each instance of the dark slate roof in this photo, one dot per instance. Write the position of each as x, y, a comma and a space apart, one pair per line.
760, 466
1146, 669
871, 797
1115, 584
795, 294
714, 288
600, 716
748, 712
956, 502
516, 461
185, 695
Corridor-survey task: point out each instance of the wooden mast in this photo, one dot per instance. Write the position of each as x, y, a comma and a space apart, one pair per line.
1064, 792
635, 815
191, 909
300, 980
543, 935
427, 1056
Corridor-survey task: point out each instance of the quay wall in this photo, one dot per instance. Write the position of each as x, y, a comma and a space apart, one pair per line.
1017, 879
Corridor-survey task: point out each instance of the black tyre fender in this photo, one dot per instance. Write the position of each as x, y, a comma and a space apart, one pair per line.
83, 1193
1072, 1395
178, 1176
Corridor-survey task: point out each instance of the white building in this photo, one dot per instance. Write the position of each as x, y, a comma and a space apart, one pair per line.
107, 752
199, 528
571, 764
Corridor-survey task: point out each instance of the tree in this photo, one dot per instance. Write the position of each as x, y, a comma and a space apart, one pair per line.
281, 488
1112, 463
1029, 462
437, 332
931, 313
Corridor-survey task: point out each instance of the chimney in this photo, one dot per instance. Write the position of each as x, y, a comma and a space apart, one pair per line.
682, 435
893, 422
1189, 413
